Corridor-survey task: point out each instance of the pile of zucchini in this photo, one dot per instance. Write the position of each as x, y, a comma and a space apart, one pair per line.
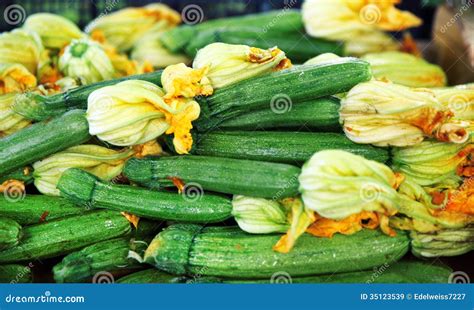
170, 217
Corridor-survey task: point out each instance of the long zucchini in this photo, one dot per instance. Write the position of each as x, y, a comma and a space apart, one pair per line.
109, 256
297, 46
223, 175
14, 273
33, 209
42, 139
176, 39
229, 252
83, 188
404, 271
284, 147
10, 233
65, 235
38, 107
284, 87
321, 114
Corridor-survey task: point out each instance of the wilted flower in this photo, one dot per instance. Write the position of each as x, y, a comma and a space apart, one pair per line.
182, 81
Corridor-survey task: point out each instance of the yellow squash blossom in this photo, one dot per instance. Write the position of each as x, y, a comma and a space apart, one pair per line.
134, 112
228, 63
55, 31
15, 78
386, 114
460, 100
10, 121
22, 47
122, 29
181, 81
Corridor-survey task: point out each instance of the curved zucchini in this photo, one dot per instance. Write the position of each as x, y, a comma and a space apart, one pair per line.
38, 107
65, 235
223, 175
42, 139
229, 252
285, 87
85, 189
284, 147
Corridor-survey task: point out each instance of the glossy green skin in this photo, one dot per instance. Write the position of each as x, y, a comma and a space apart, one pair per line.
297, 46
150, 276
110, 256
399, 272
284, 147
223, 175
301, 83
321, 114
10, 233
38, 107
14, 273
83, 188
42, 139
62, 236
229, 252
176, 39
34, 209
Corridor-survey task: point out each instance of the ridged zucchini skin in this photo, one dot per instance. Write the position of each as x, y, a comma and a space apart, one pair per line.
176, 39
321, 114
218, 174
298, 84
34, 209
151, 275
284, 147
38, 107
229, 252
65, 235
10, 233
297, 46
85, 189
399, 272
110, 256
14, 273
42, 139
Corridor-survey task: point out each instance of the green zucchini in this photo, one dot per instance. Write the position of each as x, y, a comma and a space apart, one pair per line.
14, 273
152, 275
281, 88
10, 233
61, 236
111, 256
229, 252
23, 174
404, 271
297, 46
176, 39
284, 147
321, 114
218, 174
38, 107
33, 209
42, 139
83, 188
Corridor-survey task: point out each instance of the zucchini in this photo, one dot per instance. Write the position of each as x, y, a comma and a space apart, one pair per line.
229, 252
176, 39
83, 188
10, 233
14, 273
38, 107
23, 174
284, 147
298, 47
110, 256
33, 209
42, 139
399, 272
218, 174
321, 114
61, 236
285, 87
151, 275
